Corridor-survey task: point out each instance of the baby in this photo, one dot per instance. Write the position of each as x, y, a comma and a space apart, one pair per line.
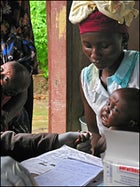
14, 81
14, 78
121, 112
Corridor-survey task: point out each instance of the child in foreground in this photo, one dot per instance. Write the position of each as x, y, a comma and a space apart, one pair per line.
121, 112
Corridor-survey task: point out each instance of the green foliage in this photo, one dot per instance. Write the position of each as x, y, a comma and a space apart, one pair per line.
38, 19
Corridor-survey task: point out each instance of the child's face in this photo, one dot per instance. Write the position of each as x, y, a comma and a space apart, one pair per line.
115, 112
6, 74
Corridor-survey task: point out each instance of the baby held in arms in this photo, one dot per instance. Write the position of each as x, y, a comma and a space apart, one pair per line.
121, 112
14, 82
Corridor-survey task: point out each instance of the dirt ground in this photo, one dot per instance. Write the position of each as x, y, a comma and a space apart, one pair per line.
40, 108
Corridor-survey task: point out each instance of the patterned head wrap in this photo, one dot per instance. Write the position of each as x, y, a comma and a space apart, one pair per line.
111, 16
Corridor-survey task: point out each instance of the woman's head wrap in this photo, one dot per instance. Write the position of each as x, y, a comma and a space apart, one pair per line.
107, 16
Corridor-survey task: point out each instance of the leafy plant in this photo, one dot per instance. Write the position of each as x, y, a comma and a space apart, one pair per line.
38, 19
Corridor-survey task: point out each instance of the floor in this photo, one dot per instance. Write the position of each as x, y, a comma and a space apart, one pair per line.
40, 108
40, 116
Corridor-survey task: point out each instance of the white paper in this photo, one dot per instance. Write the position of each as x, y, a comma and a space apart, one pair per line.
49, 160
69, 172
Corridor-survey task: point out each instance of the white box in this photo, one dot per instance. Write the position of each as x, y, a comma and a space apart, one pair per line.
121, 159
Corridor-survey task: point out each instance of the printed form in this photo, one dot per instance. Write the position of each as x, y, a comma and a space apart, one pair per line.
65, 166
69, 172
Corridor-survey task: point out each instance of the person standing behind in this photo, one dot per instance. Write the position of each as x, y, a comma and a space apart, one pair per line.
103, 27
17, 40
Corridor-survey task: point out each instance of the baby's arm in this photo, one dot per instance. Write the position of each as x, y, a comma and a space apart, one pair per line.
13, 106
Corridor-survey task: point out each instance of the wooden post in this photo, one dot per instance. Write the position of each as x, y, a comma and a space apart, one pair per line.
56, 25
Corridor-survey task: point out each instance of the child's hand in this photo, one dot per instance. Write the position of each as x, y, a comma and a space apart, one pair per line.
78, 140
83, 142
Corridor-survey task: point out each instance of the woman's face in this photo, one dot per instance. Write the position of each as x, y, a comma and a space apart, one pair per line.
116, 111
102, 49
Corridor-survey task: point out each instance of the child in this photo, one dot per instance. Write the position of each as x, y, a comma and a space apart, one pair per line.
14, 80
121, 112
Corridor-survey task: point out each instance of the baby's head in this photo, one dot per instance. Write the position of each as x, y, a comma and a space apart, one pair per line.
122, 110
14, 78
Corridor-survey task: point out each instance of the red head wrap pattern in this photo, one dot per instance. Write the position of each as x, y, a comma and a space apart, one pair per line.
98, 22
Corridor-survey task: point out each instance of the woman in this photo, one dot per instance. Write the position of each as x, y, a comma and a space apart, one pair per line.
104, 36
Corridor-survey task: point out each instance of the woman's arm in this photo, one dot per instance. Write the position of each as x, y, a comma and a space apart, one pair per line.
90, 117
22, 146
